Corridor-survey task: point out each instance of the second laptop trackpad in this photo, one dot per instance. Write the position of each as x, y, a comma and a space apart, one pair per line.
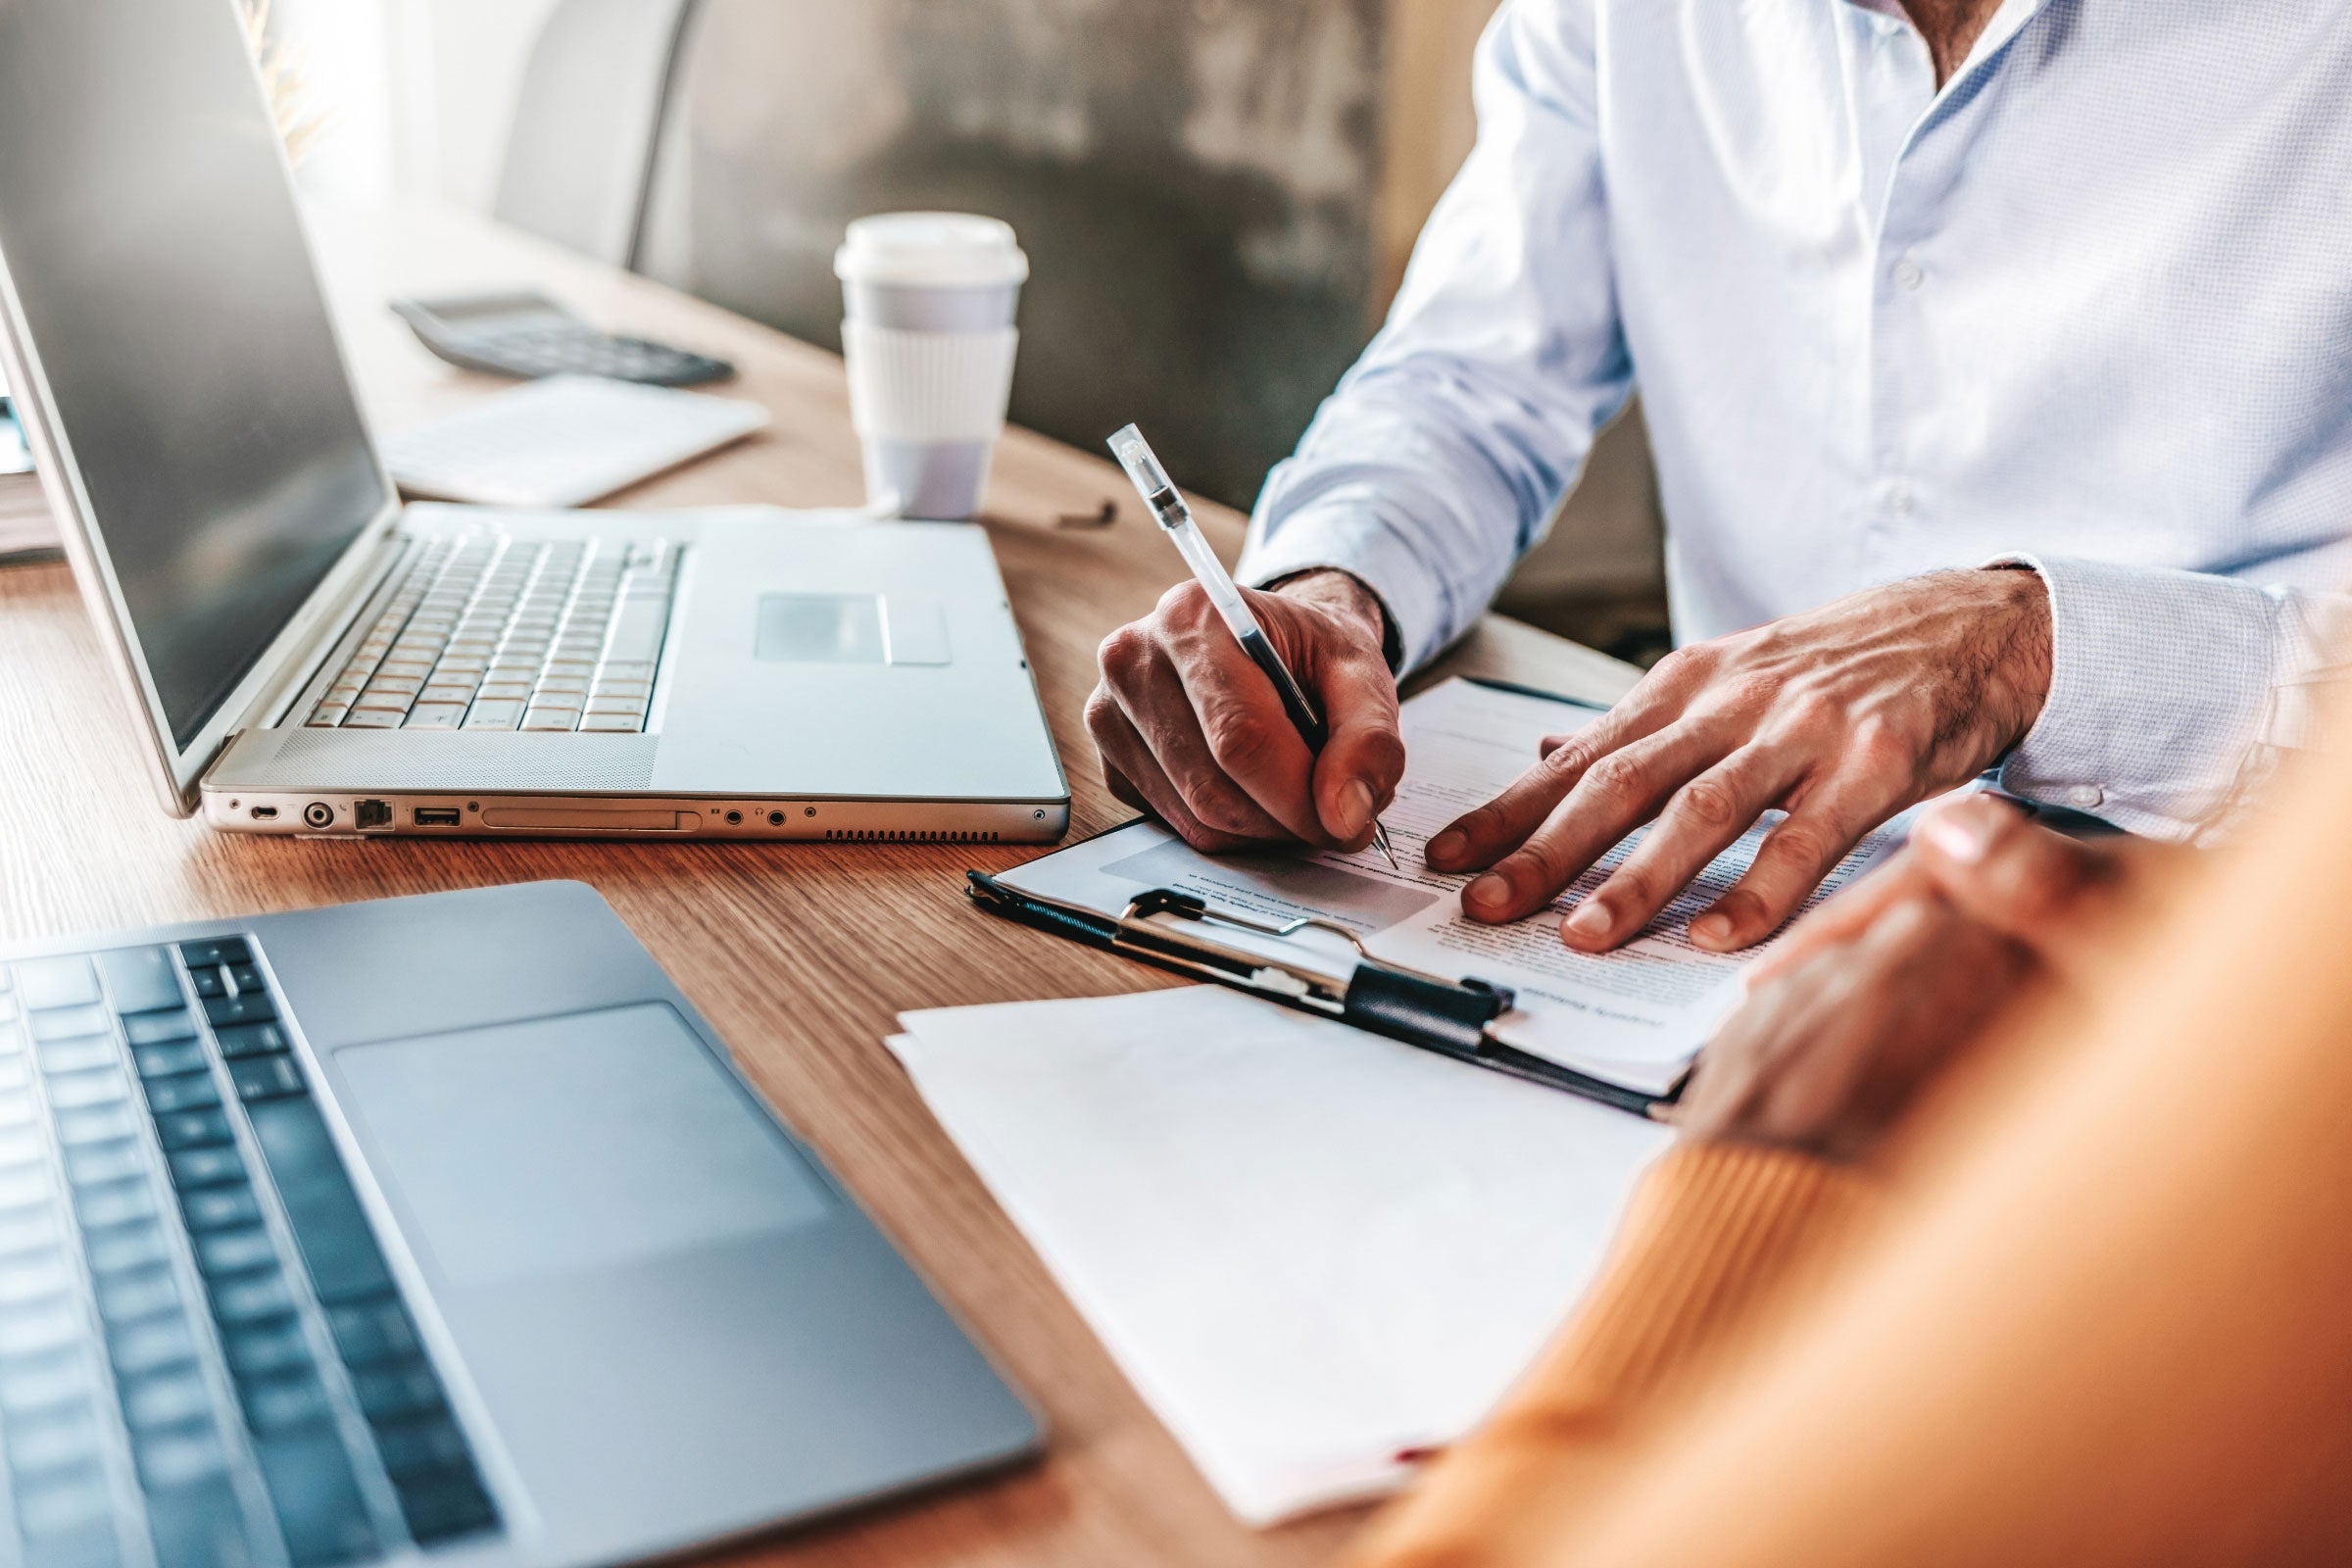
571, 1144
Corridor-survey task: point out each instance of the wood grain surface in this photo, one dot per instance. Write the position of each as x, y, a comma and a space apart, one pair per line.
800, 954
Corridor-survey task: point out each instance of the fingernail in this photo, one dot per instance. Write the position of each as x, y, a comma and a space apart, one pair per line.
1589, 919
1962, 834
1356, 808
1489, 892
1447, 844
1711, 927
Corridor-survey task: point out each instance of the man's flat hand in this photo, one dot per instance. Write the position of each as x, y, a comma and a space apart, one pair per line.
1192, 731
1842, 716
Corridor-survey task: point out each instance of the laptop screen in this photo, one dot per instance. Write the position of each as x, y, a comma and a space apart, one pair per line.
150, 232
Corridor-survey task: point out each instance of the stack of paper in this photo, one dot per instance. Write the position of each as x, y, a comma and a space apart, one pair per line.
1312, 1250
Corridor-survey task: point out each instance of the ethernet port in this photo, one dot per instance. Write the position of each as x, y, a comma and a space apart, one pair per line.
365, 814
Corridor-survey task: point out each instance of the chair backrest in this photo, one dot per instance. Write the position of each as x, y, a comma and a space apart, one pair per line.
588, 123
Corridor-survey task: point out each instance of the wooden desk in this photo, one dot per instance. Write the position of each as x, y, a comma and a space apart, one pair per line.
800, 954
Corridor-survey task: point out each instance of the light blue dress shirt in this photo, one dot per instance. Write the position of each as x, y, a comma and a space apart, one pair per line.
2087, 306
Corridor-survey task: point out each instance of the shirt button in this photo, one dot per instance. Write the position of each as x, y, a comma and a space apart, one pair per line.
2084, 797
1908, 274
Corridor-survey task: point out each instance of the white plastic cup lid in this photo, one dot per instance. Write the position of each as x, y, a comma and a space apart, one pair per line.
931, 250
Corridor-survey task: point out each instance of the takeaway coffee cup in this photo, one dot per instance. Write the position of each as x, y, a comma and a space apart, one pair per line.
929, 338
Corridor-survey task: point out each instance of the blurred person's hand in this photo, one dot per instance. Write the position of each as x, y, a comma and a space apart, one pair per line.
1842, 716
1192, 731
1868, 998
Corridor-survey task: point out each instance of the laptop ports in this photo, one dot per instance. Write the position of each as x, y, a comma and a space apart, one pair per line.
437, 816
265, 813
365, 814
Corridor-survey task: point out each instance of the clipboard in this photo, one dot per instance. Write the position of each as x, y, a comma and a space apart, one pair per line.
1170, 930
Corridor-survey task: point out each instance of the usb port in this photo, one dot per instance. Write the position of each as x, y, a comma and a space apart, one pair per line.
370, 813
265, 813
436, 816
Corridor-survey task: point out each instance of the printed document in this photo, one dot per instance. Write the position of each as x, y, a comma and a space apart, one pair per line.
1316, 1254
1636, 1016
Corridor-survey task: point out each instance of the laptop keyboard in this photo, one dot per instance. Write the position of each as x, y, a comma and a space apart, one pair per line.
488, 632
204, 1362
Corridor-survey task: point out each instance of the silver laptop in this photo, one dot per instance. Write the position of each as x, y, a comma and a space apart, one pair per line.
313, 658
433, 1228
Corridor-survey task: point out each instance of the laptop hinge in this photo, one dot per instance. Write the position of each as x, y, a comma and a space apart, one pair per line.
272, 701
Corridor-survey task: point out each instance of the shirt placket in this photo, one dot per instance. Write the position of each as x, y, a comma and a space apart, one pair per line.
1894, 91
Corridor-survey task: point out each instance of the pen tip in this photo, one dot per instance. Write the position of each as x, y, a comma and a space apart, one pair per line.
1388, 851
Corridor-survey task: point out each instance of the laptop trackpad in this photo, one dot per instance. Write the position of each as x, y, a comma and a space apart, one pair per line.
572, 1144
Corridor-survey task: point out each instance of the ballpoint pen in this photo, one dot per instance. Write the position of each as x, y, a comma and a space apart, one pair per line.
1151, 483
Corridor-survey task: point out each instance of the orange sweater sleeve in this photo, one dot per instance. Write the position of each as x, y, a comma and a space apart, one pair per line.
1714, 1237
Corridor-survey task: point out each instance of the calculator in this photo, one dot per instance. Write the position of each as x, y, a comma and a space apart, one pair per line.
529, 335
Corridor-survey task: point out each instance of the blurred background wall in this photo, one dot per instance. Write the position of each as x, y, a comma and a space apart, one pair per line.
1217, 197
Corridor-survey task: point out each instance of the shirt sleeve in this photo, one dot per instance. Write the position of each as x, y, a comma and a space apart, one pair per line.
2176, 696
1445, 450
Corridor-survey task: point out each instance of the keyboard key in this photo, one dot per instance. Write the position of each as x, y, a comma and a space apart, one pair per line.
55, 983
118, 1204
62, 1439
66, 1023
92, 1164
139, 979
155, 1028
211, 1208
37, 1277
139, 1293
68, 1520
611, 723
46, 1382
22, 1186
494, 713
369, 1333
186, 1092
73, 1091
215, 949
76, 1056
421, 1446
191, 1129
27, 1230
138, 1244
97, 1124
200, 1525
172, 1458
206, 1168
234, 1252
149, 1344
252, 1297
338, 1246
167, 1060
209, 980
252, 1040
317, 1500
277, 1345
249, 1008
552, 718
445, 1506
26, 1332
243, 976
170, 1398
266, 1077
366, 718
284, 1403
399, 1388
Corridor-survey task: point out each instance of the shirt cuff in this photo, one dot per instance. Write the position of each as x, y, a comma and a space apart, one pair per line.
1354, 538
2158, 682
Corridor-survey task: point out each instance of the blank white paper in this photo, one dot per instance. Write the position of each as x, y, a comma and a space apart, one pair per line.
1310, 1249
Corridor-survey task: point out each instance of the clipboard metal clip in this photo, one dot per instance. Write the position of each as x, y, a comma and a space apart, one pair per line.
1428, 1012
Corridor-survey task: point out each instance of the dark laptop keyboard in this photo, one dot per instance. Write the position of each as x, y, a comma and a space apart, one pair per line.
202, 1357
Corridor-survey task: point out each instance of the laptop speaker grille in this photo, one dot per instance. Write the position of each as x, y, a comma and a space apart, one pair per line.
899, 835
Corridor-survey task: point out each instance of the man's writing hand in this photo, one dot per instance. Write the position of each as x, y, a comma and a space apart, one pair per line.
1842, 716
1192, 731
